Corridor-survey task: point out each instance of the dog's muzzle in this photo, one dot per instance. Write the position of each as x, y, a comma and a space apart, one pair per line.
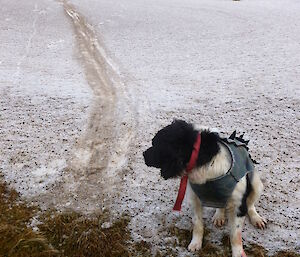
149, 158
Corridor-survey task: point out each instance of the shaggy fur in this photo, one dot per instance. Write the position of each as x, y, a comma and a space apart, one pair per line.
171, 151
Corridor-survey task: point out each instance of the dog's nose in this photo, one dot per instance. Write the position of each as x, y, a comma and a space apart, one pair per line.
145, 157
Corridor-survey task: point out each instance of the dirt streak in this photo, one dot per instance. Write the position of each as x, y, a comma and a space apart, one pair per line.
102, 150
98, 74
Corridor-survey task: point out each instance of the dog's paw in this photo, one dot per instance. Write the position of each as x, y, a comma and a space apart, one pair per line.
218, 222
243, 254
219, 219
258, 221
239, 254
195, 245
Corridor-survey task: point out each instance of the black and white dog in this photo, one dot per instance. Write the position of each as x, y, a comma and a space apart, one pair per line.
222, 176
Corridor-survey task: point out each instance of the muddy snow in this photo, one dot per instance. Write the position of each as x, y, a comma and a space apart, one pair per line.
84, 86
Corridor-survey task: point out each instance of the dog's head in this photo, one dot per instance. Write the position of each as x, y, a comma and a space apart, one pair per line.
171, 149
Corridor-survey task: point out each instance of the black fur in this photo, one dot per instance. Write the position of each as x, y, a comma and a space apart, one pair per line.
243, 209
209, 147
172, 147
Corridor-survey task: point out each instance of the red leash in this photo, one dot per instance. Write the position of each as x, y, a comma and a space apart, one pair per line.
184, 179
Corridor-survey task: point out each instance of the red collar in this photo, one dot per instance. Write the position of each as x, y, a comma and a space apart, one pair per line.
190, 166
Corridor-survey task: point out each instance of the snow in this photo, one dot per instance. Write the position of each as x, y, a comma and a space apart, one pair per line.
44, 99
225, 64
86, 85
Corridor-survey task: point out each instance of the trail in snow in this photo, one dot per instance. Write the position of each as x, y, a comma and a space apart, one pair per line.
94, 171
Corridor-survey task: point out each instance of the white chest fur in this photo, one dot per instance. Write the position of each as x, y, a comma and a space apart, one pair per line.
218, 166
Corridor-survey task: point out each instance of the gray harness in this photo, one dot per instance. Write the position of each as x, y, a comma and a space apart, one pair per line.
216, 192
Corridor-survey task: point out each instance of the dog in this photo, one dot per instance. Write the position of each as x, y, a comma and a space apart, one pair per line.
222, 176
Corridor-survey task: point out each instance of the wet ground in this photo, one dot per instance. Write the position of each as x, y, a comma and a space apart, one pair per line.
85, 86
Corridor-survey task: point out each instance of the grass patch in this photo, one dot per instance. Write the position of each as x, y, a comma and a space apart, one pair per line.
76, 235
62, 234
16, 238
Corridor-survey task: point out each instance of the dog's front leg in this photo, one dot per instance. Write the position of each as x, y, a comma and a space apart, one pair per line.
236, 226
198, 229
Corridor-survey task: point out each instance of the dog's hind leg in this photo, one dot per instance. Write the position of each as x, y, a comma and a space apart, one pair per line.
257, 188
198, 229
236, 212
236, 226
219, 217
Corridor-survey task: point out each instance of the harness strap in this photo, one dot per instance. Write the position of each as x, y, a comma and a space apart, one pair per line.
237, 180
